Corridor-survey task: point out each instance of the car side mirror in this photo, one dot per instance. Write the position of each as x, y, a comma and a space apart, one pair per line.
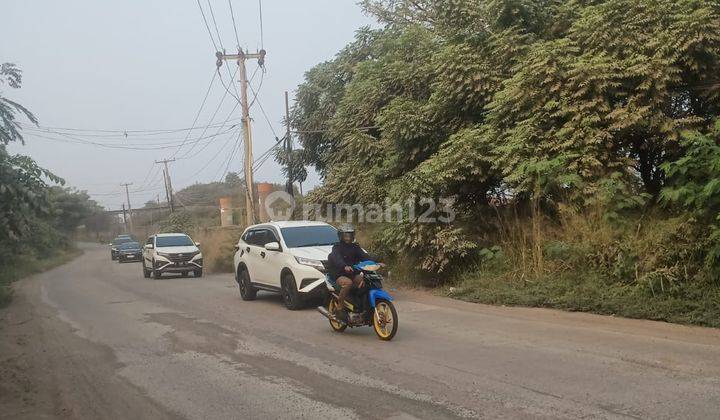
149, 246
236, 248
197, 243
272, 246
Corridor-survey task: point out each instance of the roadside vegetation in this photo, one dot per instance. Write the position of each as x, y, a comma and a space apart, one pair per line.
38, 216
579, 140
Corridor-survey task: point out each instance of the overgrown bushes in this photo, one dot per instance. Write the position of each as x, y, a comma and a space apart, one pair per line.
576, 138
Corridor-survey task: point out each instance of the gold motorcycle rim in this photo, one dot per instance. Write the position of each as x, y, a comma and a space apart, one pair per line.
383, 320
331, 309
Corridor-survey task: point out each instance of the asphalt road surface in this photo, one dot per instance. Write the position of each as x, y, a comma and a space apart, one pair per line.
94, 339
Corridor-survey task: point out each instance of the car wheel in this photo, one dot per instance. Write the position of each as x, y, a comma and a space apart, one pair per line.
290, 295
156, 273
146, 272
198, 273
247, 292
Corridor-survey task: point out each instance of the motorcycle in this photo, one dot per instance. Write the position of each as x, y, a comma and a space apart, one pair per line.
369, 305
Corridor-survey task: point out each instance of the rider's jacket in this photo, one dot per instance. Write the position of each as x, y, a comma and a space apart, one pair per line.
344, 254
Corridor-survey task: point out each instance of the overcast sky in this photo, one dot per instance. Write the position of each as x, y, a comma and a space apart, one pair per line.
146, 65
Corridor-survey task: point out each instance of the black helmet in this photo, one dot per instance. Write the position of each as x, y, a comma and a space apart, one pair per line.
346, 228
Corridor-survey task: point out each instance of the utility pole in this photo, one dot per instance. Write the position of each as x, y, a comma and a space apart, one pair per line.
241, 57
127, 194
288, 147
125, 220
168, 184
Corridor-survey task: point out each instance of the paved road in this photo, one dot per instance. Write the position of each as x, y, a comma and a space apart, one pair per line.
116, 345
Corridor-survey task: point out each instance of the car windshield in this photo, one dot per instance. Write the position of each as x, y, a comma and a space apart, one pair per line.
300, 236
122, 240
179, 240
129, 245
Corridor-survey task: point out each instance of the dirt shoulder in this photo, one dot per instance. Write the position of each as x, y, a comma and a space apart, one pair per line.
44, 367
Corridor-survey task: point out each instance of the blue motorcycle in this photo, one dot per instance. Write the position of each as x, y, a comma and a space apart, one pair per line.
366, 306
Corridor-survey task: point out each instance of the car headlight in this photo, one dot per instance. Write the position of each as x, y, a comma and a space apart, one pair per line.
197, 255
316, 264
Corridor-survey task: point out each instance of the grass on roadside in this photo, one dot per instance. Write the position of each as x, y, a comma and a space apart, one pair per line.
696, 303
27, 264
217, 246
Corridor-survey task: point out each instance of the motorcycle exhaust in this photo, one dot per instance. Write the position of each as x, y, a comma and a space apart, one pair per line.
328, 315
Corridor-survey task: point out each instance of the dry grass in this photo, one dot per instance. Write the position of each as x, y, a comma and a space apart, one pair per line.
217, 247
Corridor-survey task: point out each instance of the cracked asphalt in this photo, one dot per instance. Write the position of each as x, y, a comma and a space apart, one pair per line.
94, 339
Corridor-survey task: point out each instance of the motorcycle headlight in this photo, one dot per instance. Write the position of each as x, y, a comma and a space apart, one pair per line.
316, 264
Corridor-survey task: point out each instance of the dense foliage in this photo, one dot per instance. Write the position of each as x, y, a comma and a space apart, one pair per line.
37, 215
536, 115
498, 100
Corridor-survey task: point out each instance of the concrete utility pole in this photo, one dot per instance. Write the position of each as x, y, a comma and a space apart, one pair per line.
125, 220
288, 146
241, 57
127, 194
168, 184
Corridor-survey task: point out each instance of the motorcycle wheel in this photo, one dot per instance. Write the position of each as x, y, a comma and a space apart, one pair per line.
385, 322
336, 326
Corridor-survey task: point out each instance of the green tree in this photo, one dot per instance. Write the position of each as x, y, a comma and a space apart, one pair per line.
538, 101
11, 76
23, 188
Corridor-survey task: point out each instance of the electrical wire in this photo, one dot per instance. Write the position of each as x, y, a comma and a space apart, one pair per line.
227, 89
263, 112
211, 119
234, 150
105, 133
197, 115
327, 129
205, 146
172, 143
232, 14
255, 94
74, 140
262, 37
207, 26
212, 14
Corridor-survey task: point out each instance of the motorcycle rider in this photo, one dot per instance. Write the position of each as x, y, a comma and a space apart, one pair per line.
343, 256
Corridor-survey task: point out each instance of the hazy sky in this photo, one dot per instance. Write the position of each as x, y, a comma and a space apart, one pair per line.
146, 65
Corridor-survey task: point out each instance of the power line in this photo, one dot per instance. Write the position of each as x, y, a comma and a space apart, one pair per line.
111, 132
211, 119
327, 129
147, 175
128, 145
212, 159
227, 89
232, 14
212, 14
262, 37
263, 112
75, 140
186, 156
262, 79
197, 115
207, 26
234, 150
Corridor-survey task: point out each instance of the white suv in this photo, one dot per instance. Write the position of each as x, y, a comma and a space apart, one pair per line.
284, 257
171, 253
